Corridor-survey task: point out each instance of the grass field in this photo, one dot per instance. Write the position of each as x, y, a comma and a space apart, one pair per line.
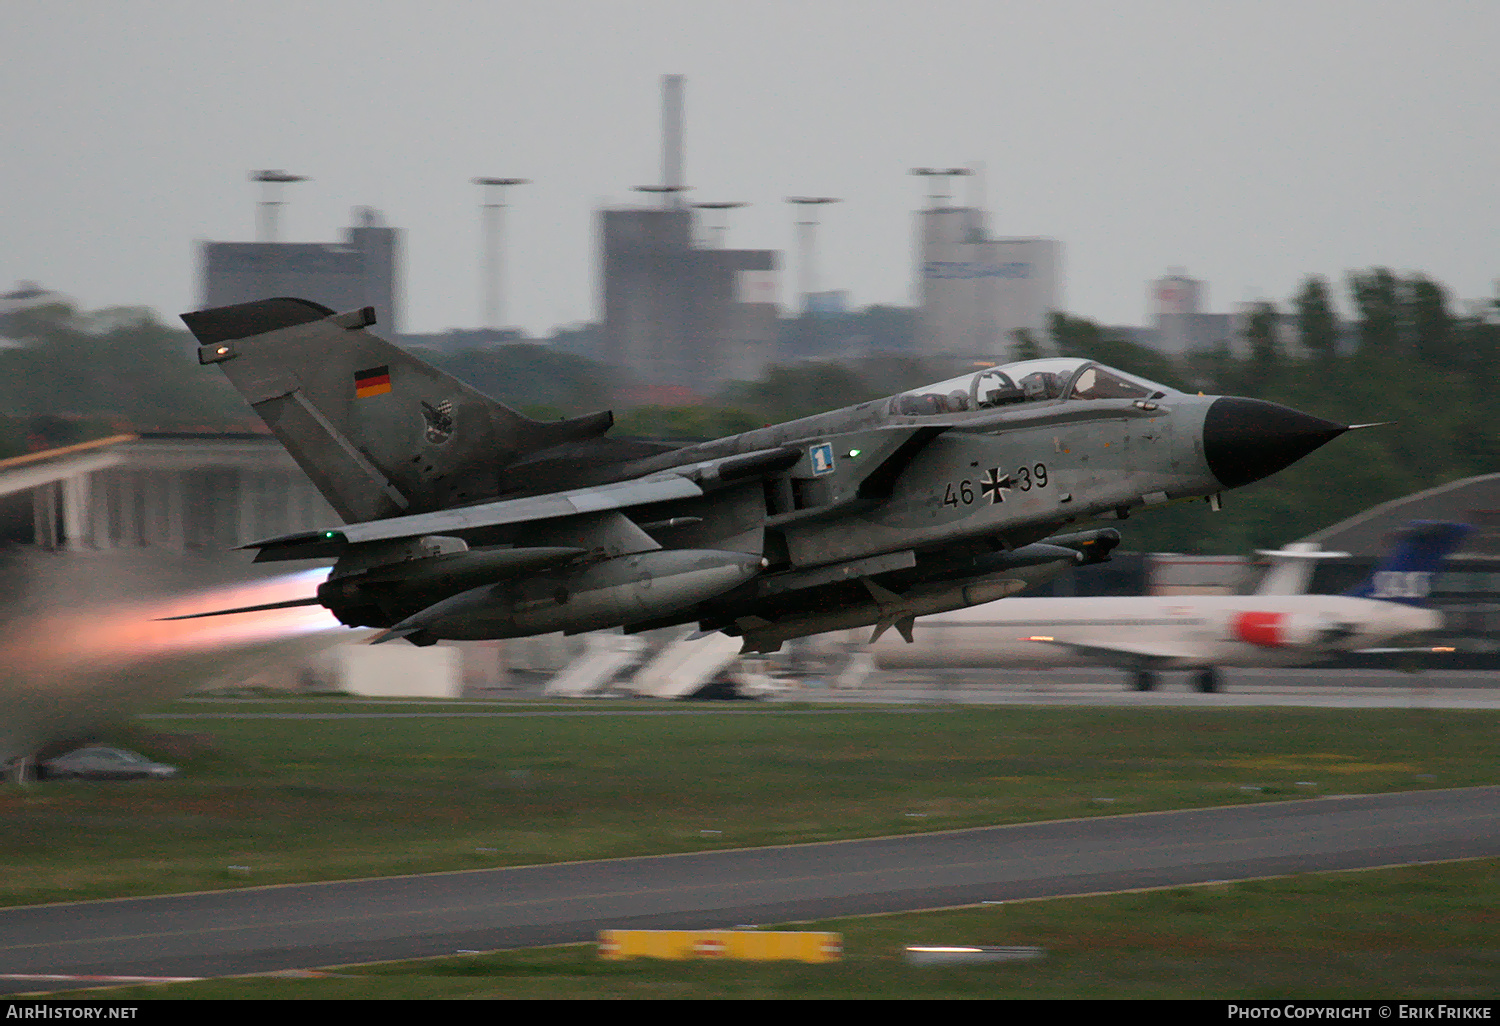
1425, 932
282, 800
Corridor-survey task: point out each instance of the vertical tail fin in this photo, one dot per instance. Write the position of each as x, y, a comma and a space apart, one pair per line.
379, 432
1292, 568
1405, 574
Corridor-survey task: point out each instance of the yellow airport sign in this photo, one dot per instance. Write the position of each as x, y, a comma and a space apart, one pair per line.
750, 945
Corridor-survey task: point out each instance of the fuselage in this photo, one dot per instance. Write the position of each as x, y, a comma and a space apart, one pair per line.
1021, 471
1167, 632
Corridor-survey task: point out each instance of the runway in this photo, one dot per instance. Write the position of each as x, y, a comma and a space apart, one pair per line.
1306, 687
300, 926
1345, 689
1234, 678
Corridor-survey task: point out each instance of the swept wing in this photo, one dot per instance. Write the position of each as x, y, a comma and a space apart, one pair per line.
1128, 653
464, 522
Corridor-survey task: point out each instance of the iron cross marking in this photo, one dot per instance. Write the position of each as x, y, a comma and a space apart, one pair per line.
994, 483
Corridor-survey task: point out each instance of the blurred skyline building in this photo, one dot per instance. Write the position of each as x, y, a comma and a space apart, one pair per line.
27, 295
363, 270
976, 291
677, 317
1180, 326
1176, 304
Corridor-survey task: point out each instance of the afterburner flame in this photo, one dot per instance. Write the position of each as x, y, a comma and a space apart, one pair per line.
68, 670
129, 632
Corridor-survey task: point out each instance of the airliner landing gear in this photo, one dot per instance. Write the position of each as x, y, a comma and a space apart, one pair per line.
1142, 680
21, 770
1206, 680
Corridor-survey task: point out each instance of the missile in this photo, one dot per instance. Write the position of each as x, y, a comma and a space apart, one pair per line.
982, 579
886, 609
607, 594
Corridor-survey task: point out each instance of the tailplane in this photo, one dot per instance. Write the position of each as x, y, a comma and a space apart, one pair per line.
379, 432
1291, 568
1405, 574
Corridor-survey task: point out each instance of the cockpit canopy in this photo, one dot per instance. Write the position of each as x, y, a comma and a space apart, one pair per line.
1030, 381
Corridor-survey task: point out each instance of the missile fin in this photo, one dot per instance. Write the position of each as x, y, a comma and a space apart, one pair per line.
883, 596
394, 634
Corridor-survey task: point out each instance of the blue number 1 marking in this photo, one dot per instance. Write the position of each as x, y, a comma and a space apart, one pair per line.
822, 458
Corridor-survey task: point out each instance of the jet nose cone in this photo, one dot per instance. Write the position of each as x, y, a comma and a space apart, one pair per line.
1245, 440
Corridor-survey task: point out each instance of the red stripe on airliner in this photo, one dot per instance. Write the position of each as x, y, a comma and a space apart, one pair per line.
1260, 628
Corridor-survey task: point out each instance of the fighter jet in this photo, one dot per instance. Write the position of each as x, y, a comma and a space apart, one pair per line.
1277, 626
465, 520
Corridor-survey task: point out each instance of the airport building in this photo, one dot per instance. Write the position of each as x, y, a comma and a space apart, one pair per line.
680, 320
171, 492
976, 291
363, 270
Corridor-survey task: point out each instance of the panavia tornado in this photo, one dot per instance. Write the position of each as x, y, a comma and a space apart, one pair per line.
465, 520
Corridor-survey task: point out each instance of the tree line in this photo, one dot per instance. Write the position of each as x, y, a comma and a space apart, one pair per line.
1408, 357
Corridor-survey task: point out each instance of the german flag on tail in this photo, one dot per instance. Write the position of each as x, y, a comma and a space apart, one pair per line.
375, 381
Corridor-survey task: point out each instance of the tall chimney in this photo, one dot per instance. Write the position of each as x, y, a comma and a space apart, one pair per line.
671, 139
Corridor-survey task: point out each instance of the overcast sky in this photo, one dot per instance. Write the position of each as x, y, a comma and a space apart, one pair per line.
1248, 142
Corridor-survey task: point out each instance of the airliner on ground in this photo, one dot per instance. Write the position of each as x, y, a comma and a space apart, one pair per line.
1277, 626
